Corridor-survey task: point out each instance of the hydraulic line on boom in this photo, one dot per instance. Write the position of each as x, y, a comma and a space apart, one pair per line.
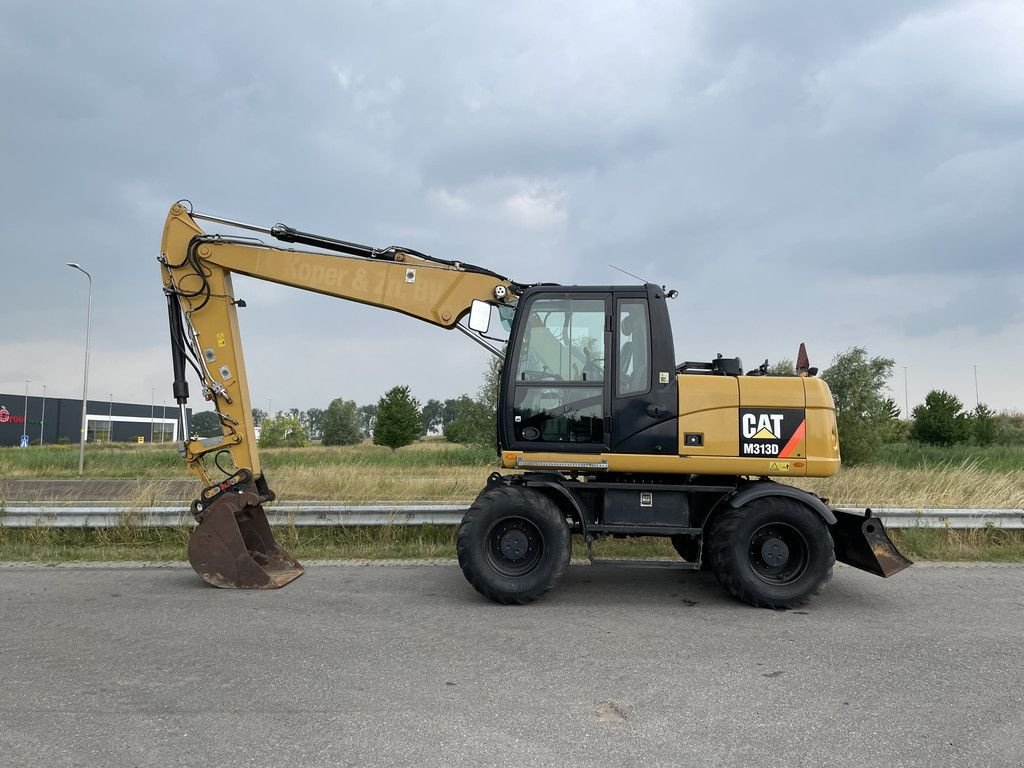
233, 545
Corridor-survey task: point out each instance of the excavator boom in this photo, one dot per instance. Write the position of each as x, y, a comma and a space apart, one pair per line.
233, 545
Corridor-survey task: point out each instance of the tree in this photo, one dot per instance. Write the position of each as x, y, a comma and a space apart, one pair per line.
857, 383
450, 412
283, 431
983, 425
205, 424
432, 413
468, 420
475, 419
398, 419
341, 424
315, 422
940, 420
258, 415
894, 430
368, 418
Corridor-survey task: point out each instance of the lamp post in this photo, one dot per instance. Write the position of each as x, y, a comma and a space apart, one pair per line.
42, 417
152, 412
85, 378
110, 420
25, 428
906, 393
977, 397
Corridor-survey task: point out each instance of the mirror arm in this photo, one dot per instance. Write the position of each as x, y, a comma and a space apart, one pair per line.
489, 347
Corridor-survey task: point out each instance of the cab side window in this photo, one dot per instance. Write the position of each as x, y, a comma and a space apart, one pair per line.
634, 348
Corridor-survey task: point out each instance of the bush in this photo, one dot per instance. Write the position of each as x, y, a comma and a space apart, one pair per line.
1010, 428
982, 425
473, 423
784, 367
940, 420
283, 432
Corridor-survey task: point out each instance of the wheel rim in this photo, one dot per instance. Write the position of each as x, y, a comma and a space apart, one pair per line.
514, 546
778, 553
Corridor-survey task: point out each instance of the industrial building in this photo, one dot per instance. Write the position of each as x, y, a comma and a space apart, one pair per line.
59, 419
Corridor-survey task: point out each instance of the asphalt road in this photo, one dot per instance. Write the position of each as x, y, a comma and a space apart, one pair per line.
407, 666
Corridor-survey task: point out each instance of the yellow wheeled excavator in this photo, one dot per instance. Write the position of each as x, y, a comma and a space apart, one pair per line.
600, 431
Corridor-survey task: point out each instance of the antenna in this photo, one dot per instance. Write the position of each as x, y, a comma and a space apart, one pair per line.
635, 277
668, 294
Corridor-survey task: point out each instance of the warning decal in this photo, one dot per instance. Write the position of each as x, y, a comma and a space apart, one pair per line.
772, 432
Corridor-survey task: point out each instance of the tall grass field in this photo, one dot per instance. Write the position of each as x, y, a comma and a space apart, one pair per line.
432, 470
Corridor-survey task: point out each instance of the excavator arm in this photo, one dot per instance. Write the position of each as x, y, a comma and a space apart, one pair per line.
233, 546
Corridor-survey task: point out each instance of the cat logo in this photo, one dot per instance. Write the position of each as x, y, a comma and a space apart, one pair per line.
772, 433
766, 426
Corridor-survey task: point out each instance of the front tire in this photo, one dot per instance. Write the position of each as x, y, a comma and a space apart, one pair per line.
771, 553
513, 544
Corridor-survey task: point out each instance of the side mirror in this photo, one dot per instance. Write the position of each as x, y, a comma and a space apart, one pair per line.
480, 316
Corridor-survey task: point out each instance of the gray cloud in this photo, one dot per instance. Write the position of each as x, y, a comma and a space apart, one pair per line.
738, 150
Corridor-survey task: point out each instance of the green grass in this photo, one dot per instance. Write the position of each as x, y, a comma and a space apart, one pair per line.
989, 458
46, 545
162, 462
51, 545
990, 544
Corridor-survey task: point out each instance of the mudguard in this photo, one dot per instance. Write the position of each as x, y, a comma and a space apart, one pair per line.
761, 488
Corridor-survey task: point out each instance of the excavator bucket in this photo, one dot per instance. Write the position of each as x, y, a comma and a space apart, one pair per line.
861, 541
233, 546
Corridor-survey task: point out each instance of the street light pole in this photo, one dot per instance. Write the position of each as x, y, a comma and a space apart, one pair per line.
110, 420
977, 397
152, 410
85, 377
42, 417
25, 428
906, 391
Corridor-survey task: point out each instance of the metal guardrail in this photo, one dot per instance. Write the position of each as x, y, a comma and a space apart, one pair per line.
320, 513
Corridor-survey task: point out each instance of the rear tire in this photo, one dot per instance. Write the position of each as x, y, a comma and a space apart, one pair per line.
771, 553
513, 544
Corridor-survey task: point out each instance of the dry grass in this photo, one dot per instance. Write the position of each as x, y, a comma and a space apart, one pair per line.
440, 472
375, 483
959, 487
433, 470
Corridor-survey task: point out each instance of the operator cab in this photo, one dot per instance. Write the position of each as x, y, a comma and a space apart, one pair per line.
590, 370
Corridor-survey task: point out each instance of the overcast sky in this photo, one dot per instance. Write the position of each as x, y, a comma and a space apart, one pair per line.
842, 173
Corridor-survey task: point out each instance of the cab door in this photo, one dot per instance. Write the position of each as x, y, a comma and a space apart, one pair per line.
644, 394
556, 393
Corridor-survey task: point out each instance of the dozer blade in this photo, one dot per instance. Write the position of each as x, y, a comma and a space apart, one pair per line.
861, 541
233, 546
